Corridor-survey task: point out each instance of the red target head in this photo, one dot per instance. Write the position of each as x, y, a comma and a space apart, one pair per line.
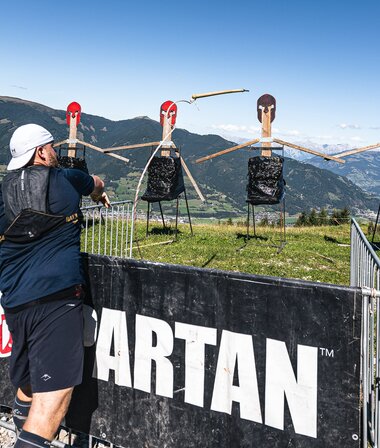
170, 109
72, 110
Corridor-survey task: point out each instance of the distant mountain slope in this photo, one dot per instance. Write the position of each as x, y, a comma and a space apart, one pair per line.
363, 169
307, 185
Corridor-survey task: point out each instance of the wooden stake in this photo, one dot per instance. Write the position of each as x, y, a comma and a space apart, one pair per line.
72, 152
226, 151
266, 131
167, 136
310, 151
358, 150
192, 180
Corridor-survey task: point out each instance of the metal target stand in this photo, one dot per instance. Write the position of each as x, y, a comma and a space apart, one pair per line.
163, 218
250, 205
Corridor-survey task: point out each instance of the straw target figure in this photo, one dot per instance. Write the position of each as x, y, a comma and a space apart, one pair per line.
266, 185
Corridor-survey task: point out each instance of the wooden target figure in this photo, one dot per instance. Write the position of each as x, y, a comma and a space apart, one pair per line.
71, 160
266, 185
72, 145
165, 177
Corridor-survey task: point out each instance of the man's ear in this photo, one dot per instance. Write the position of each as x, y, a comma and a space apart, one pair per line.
40, 152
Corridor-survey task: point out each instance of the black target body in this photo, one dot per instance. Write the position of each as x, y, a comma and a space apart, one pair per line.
72, 162
266, 184
165, 179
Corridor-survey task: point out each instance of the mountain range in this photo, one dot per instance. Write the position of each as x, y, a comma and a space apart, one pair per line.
363, 169
315, 184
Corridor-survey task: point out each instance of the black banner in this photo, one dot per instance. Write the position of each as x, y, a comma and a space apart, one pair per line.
194, 357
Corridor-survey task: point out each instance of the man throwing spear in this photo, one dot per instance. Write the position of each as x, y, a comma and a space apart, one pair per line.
41, 280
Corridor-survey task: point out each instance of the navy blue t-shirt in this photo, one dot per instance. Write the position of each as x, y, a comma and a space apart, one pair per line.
32, 270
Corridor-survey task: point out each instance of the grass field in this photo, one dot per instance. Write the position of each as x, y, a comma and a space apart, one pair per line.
319, 254
314, 253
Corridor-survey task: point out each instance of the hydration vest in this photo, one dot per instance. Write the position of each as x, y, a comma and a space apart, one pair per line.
25, 196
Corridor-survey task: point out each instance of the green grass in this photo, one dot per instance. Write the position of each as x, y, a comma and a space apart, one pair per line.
320, 254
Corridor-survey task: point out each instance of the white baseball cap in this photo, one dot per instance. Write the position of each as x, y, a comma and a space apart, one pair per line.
23, 143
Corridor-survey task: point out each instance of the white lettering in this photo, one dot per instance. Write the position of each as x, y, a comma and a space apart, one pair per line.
301, 394
90, 326
145, 353
196, 337
236, 347
113, 324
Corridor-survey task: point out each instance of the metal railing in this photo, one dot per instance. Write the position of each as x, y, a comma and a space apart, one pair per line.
365, 273
108, 231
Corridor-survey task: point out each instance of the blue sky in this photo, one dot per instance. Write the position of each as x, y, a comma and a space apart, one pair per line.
121, 59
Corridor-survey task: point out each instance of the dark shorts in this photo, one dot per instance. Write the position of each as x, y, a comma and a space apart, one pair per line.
47, 350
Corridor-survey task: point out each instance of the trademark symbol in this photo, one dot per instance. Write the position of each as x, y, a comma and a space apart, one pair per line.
326, 352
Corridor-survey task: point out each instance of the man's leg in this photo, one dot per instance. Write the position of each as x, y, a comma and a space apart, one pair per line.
47, 411
55, 355
21, 407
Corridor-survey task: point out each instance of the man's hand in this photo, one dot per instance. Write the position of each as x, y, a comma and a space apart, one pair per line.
103, 198
98, 194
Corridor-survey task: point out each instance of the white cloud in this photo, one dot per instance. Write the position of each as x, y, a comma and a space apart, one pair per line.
356, 139
292, 132
325, 137
253, 129
349, 126
236, 128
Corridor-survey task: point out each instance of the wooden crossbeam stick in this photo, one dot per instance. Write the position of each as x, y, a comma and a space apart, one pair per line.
153, 244
96, 148
358, 150
89, 145
228, 150
63, 142
195, 96
116, 156
192, 180
140, 145
310, 151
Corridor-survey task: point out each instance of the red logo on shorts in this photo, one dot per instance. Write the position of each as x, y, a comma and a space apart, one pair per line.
5, 337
